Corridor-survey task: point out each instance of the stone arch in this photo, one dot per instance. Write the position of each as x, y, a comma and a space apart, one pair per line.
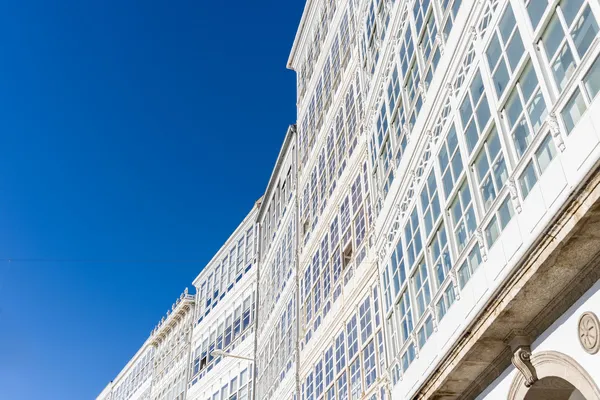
553, 364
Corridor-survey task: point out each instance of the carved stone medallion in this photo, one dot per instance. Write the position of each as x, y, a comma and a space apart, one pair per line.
588, 330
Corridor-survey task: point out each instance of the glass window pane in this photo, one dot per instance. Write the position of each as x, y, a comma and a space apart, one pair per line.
466, 110
500, 172
573, 110
492, 231
481, 165
500, 79
507, 23
471, 221
528, 81
545, 153
570, 9
471, 135
592, 79
513, 108
483, 113
494, 144
457, 166
537, 112
488, 192
505, 212
515, 50
521, 137
493, 52
536, 9
563, 66
552, 37
477, 88
527, 179
584, 31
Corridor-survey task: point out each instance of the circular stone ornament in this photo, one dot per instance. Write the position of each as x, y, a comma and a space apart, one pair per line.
588, 330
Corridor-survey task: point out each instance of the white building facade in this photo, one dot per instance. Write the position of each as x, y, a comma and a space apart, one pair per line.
171, 340
341, 337
431, 228
225, 319
277, 333
135, 380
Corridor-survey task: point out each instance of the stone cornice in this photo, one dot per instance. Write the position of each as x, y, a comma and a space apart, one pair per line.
300, 33
182, 306
567, 254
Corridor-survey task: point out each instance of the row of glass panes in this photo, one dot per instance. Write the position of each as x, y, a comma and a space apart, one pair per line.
134, 379
279, 270
305, 71
178, 359
585, 91
404, 340
224, 333
490, 182
174, 390
225, 274
312, 115
411, 258
276, 358
403, 88
339, 250
354, 360
331, 162
376, 23
427, 17
475, 116
171, 351
236, 389
280, 199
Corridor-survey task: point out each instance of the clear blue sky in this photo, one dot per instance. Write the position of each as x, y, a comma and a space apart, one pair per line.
138, 130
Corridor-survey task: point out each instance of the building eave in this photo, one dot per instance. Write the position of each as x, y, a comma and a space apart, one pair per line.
290, 134
179, 309
300, 33
219, 252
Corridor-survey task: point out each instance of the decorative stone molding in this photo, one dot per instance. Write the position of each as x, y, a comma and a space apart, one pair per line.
521, 359
552, 122
514, 196
431, 309
588, 331
423, 89
455, 285
450, 88
431, 139
381, 254
554, 364
473, 32
481, 244
406, 129
439, 39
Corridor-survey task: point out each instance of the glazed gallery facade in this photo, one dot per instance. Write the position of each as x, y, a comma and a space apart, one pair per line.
431, 228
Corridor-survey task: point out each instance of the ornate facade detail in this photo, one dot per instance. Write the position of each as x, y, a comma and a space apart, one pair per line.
514, 196
473, 32
588, 331
481, 243
450, 88
552, 122
439, 39
381, 254
406, 128
521, 359
423, 88
464, 68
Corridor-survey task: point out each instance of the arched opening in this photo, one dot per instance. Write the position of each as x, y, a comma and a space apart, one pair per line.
558, 377
553, 388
